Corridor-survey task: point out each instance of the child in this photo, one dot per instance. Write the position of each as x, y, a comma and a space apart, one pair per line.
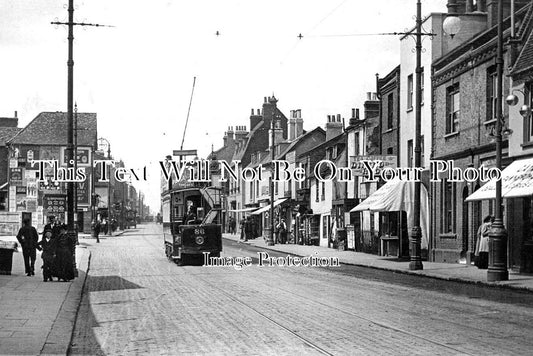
47, 245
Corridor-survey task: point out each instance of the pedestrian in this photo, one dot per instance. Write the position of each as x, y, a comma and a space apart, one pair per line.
283, 231
232, 225
482, 245
48, 246
243, 226
247, 229
96, 230
64, 252
105, 226
52, 226
28, 239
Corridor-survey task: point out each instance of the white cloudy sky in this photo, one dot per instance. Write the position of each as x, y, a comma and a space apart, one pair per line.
137, 76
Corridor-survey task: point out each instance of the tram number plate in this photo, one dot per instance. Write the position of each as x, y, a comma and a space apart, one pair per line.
199, 231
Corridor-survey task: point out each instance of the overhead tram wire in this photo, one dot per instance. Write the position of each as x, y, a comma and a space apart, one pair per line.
297, 42
188, 113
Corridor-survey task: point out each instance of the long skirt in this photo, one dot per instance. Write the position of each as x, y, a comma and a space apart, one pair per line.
483, 260
64, 266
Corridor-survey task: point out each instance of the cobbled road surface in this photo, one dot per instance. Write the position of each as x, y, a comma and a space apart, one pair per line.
136, 302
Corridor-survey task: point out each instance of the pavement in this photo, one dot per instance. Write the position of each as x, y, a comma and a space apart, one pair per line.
446, 271
38, 318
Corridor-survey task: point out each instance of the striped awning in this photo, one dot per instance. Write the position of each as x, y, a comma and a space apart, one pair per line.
266, 208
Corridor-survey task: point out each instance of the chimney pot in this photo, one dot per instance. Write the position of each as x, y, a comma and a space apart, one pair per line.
368, 96
357, 114
252, 111
16, 114
266, 100
338, 117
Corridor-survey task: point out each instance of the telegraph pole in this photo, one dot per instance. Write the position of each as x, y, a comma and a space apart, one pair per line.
416, 233
70, 118
270, 240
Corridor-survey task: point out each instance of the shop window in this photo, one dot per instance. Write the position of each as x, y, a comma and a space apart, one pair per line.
528, 121
528, 219
410, 92
453, 104
3, 201
390, 110
492, 85
448, 207
410, 153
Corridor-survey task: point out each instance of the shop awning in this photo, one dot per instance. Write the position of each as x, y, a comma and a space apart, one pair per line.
517, 181
242, 210
266, 208
398, 195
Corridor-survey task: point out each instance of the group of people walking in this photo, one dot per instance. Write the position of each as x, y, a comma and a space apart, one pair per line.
248, 229
57, 248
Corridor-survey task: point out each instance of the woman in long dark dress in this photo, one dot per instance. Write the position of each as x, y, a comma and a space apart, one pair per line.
63, 260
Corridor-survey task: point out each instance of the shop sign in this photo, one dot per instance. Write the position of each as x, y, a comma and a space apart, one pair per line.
84, 191
55, 204
359, 168
15, 176
83, 156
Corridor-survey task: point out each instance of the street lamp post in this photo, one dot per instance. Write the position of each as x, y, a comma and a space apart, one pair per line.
497, 270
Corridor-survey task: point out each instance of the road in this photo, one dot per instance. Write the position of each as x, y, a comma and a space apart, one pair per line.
136, 302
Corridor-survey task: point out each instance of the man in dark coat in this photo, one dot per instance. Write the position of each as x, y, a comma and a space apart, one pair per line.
96, 230
28, 239
52, 226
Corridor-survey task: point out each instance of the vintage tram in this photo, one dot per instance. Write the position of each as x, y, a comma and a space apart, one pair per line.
192, 222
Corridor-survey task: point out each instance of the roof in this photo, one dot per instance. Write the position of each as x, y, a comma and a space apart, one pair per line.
7, 133
50, 128
524, 61
239, 154
324, 145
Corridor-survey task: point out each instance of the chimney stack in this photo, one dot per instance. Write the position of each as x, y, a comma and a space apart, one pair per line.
333, 126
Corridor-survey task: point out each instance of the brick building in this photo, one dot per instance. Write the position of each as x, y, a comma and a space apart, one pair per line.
8, 129
45, 138
464, 94
389, 118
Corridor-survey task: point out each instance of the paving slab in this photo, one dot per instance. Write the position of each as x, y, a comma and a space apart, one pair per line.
37, 317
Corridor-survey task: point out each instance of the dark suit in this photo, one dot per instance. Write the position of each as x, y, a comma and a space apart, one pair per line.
28, 238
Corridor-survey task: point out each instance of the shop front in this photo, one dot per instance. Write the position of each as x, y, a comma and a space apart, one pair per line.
388, 214
517, 191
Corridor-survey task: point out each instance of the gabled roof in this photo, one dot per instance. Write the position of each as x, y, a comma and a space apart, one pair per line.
324, 145
50, 128
7, 133
524, 61
242, 151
